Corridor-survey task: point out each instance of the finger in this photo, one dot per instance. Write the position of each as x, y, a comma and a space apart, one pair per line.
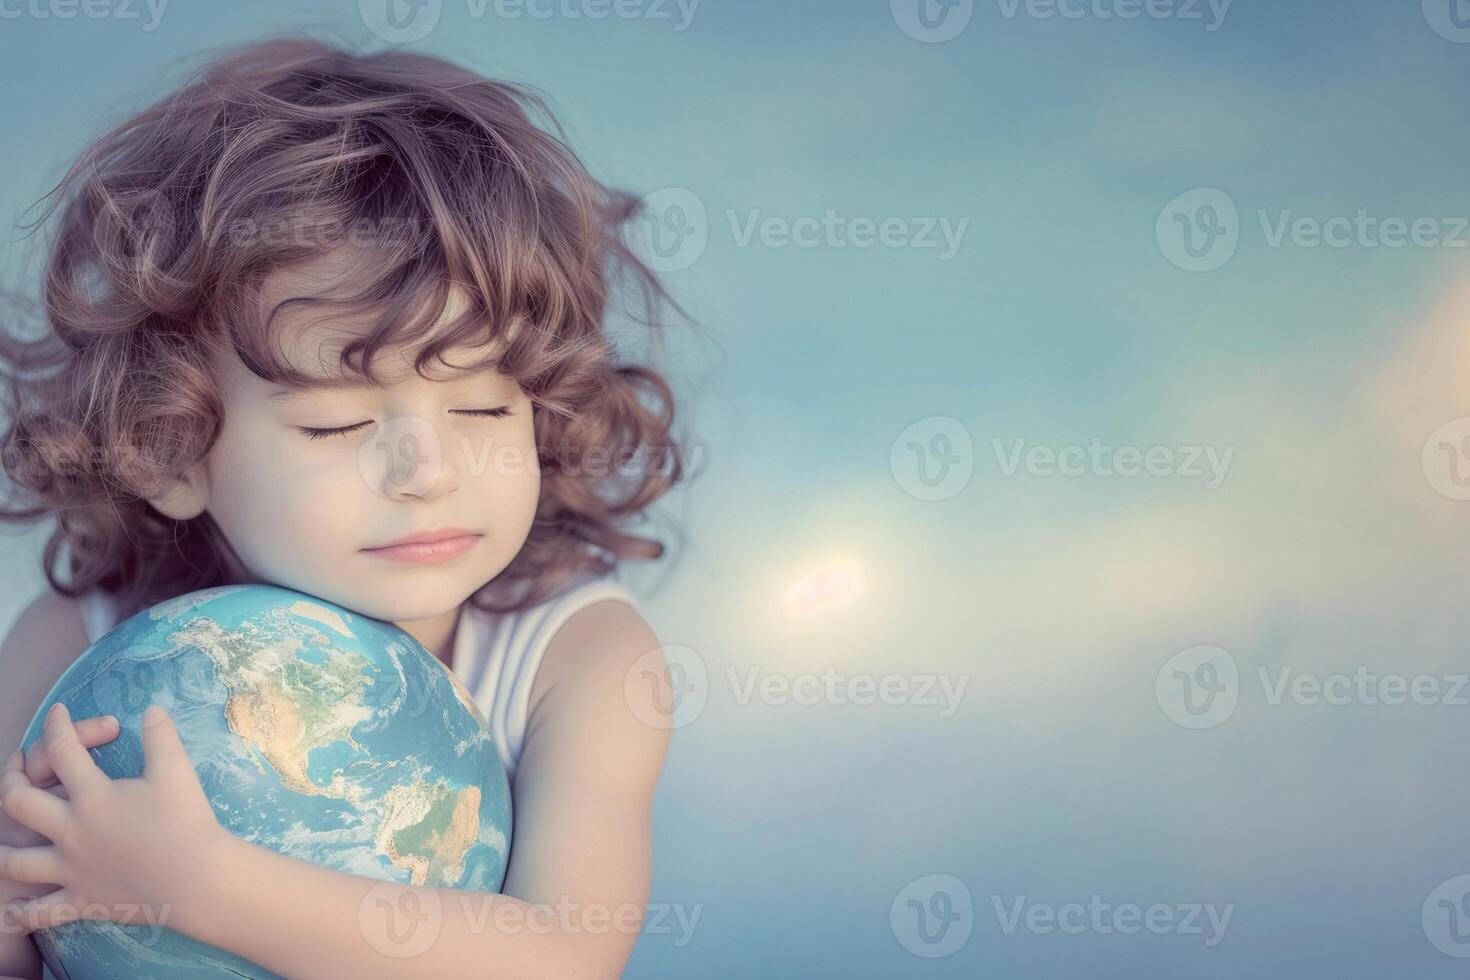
32, 865
12, 831
69, 757
92, 732
36, 809
52, 909
12, 774
17, 834
163, 753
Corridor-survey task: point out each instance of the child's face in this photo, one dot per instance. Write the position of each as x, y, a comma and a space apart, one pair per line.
300, 511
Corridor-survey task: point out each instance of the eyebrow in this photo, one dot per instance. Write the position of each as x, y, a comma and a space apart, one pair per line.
283, 394
326, 385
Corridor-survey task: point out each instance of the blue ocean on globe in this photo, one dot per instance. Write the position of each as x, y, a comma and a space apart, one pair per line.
317, 732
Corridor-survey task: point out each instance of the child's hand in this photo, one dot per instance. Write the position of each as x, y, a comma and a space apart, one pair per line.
123, 848
38, 769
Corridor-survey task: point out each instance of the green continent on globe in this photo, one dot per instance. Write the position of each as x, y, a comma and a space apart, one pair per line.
428, 830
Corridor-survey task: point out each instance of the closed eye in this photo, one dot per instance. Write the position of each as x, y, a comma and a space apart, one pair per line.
326, 433
343, 430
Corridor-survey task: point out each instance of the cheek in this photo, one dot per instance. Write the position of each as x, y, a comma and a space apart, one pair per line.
520, 497
277, 501
504, 478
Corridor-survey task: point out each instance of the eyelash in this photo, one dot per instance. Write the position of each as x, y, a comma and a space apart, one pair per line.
498, 413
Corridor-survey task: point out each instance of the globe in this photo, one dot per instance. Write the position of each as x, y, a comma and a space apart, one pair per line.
317, 732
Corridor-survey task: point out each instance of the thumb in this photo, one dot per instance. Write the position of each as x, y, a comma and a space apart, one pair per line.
162, 751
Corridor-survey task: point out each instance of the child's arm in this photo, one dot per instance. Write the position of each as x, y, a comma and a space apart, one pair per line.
583, 800
581, 849
45, 639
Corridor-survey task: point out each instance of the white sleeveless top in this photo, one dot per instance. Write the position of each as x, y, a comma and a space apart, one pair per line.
496, 656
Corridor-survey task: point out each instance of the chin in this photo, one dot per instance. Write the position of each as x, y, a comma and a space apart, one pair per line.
391, 594
408, 604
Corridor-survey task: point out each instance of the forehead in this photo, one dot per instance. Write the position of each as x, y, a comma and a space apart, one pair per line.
310, 337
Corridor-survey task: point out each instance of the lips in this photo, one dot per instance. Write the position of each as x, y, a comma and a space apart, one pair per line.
426, 537
428, 547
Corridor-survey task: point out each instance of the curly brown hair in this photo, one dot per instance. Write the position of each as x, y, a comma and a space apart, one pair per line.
274, 153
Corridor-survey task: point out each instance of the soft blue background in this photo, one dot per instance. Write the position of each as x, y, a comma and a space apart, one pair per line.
792, 829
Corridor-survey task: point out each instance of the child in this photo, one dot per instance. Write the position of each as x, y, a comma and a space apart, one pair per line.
306, 314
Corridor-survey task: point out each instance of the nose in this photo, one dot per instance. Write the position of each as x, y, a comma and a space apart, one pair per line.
409, 458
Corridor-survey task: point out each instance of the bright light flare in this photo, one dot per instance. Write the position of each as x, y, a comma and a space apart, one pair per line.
833, 584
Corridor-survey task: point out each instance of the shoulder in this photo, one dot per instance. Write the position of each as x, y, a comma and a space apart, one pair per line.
594, 682
597, 639
45, 639
52, 619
